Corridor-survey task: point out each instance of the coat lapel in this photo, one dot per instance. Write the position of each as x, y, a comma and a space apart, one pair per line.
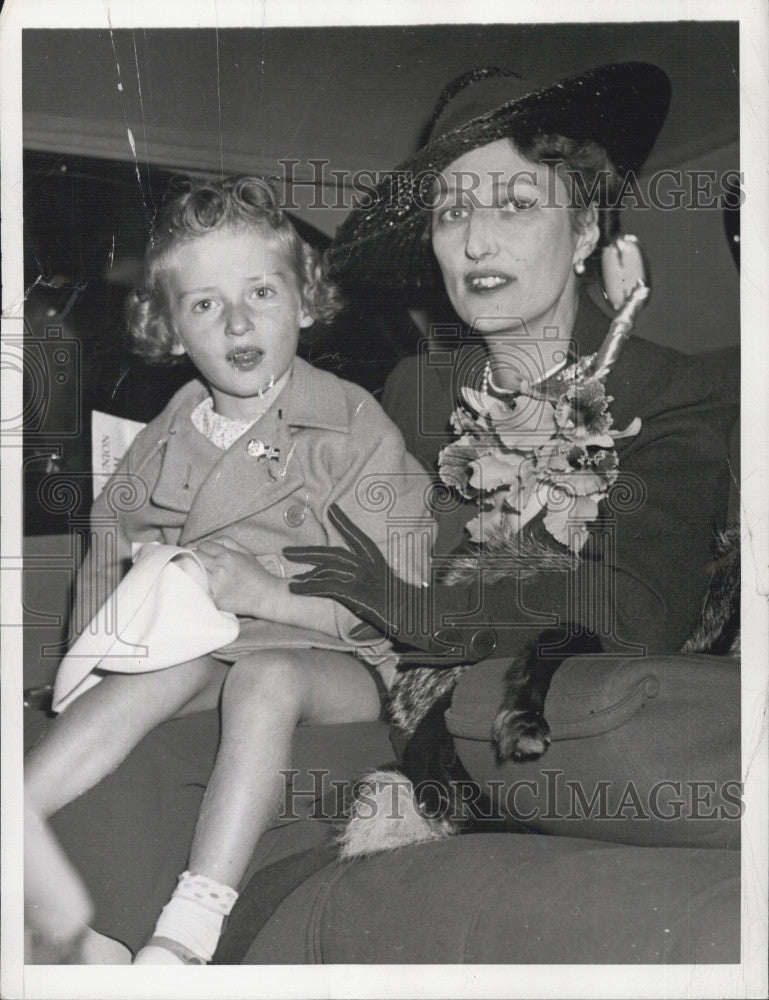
241, 484
185, 459
218, 488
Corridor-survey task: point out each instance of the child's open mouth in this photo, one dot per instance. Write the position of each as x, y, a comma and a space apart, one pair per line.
245, 359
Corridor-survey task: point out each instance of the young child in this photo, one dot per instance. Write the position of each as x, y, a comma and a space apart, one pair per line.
241, 463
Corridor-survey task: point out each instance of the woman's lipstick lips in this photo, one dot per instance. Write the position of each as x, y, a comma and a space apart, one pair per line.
245, 359
486, 282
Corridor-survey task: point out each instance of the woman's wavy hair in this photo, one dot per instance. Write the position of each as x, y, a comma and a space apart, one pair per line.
239, 202
590, 176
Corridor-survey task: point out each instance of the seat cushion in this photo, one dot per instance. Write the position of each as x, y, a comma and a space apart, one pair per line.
644, 750
130, 836
512, 898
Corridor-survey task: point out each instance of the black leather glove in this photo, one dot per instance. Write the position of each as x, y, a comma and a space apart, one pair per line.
361, 580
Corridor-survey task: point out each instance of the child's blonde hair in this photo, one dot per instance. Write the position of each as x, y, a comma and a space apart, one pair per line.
234, 201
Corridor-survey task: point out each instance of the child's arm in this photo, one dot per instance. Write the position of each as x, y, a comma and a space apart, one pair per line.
241, 585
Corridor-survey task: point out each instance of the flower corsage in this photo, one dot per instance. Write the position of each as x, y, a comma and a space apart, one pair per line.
546, 451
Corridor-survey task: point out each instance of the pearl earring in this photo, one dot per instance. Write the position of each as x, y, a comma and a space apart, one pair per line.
579, 266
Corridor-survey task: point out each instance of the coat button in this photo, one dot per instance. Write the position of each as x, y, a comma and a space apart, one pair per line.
294, 516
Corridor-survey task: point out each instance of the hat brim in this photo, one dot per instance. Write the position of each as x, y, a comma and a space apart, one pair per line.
621, 107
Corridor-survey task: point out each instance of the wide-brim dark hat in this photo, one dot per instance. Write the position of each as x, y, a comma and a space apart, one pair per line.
621, 107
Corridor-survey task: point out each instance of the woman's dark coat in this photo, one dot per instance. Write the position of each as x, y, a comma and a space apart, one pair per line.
642, 577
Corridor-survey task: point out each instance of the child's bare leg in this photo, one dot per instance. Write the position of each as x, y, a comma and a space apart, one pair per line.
98, 730
265, 696
57, 907
88, 740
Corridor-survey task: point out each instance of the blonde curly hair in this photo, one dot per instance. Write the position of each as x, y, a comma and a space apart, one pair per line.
203, 208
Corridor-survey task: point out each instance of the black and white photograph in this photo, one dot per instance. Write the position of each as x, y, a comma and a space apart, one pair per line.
384, 476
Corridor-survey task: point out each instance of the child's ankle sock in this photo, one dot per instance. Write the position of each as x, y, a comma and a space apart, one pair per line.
189, 927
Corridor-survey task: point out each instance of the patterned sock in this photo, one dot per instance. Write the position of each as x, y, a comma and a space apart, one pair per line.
189, 927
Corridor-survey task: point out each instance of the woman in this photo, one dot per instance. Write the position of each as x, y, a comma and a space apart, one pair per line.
521, 183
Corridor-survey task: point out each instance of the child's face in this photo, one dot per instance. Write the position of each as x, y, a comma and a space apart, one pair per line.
235, 306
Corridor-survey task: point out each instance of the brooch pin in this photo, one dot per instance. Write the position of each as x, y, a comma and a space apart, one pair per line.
258, 449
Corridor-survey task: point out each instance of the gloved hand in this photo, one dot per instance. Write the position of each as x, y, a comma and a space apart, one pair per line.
361, 580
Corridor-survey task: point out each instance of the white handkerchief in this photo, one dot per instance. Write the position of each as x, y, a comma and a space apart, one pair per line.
160, 614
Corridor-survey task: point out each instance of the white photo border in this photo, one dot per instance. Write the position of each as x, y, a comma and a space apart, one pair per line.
746, 980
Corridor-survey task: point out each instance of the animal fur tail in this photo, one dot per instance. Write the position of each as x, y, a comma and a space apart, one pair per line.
718, 628
385, 815
416, 690
504, 555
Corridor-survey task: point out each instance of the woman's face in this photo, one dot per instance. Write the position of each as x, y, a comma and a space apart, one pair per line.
505, 243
